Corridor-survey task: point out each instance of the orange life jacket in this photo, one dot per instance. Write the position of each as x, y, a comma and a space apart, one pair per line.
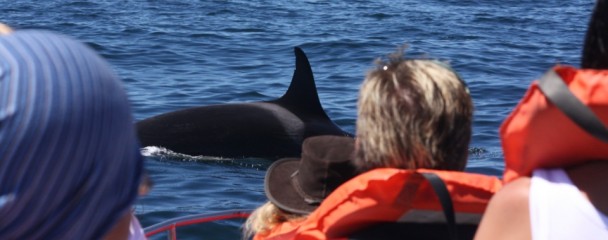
283, 231
539, 135
390, 195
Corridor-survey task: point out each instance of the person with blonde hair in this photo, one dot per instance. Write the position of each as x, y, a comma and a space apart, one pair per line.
414, 119
296, 186
413, 113
414, 123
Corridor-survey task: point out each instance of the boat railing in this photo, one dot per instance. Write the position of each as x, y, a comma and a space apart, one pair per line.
171, 225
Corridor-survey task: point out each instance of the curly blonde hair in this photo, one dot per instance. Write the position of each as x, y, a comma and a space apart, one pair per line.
265, 218
413, 113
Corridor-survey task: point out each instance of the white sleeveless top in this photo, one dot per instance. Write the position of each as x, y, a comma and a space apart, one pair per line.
558, 210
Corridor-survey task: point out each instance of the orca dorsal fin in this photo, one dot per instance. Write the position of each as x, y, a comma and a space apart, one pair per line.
302, 92
595, 49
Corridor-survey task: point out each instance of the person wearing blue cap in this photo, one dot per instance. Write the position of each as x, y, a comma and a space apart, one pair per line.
70, 164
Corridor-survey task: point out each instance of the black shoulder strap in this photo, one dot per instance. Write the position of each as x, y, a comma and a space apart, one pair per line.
422, 230
445, 200
558, 93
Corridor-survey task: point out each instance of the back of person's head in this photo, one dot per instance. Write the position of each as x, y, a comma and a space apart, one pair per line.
595, 48
413, 113
69, 159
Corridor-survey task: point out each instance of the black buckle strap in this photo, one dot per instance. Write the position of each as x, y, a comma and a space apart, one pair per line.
558, 93
446, 202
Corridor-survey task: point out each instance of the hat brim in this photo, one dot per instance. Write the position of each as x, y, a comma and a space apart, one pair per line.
279, 189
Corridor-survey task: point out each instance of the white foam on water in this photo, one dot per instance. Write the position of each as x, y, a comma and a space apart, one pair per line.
163, 153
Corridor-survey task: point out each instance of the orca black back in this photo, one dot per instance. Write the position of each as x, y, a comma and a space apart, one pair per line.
269, 129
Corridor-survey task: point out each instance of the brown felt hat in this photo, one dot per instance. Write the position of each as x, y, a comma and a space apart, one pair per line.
299, 185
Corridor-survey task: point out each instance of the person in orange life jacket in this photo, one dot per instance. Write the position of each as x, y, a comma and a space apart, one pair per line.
413, 113
295, 187
70, 164
555, 171
556, 155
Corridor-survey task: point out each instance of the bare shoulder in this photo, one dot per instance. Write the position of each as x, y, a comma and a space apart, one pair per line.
515, 191
508, 214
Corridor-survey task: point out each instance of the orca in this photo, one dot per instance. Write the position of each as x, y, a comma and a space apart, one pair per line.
268, 129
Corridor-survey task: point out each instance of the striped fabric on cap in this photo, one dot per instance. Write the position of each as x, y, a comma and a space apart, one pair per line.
69, 157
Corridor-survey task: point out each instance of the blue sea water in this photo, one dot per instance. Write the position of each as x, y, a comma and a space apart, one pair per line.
178, 54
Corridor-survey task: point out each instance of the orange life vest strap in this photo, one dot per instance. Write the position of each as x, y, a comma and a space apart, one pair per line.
554, 88
386, 194
445, 200
395, 230
558, 123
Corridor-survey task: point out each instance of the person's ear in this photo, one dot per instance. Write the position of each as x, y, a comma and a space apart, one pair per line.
5, 29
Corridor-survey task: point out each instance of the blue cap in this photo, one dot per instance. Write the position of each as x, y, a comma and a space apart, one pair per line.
70, 163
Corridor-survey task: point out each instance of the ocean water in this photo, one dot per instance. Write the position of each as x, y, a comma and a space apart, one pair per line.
178, 54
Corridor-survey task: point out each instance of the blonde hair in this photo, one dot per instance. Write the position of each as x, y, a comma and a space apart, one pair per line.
413, 114
265, 218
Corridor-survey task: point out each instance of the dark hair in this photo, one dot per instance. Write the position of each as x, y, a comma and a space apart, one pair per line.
595, 49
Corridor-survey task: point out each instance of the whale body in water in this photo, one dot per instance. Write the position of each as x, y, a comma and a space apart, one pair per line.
267, 129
